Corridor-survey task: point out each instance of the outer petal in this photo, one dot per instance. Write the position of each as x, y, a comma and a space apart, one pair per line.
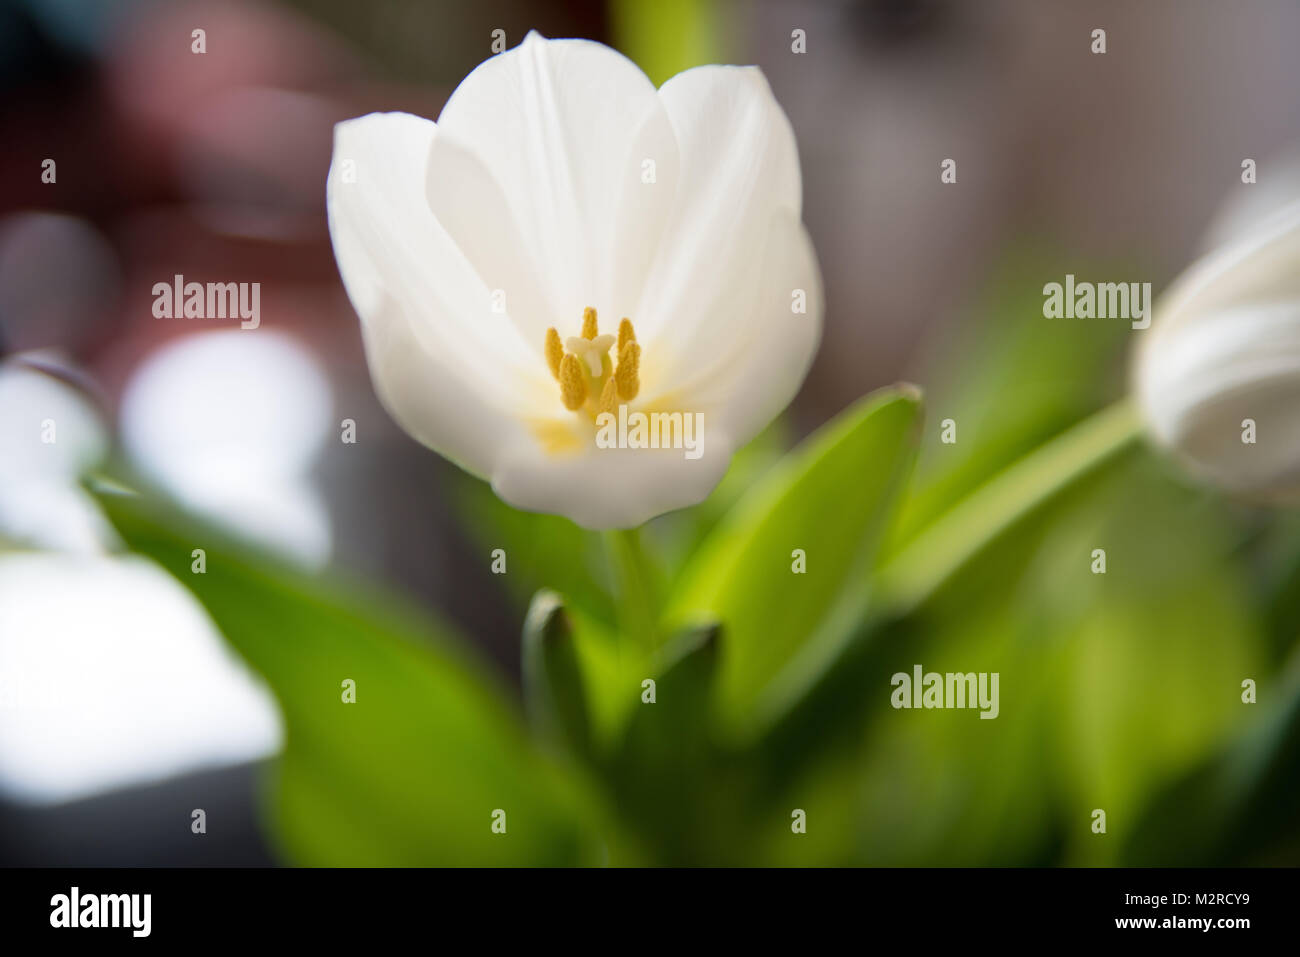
752, 378
1247, 209
1260, 265
1197, 389
739, 165
452, 372
563, 128
613, 488
1225, 347
430, 401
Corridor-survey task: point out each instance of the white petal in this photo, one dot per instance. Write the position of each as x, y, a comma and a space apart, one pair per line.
1260, 265
471, 207
612, 488
743, 384
564, 128
739, 166
432, 403
427, 316
1251, 205
1200, 385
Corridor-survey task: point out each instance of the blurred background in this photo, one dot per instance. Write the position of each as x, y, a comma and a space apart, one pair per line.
213, 166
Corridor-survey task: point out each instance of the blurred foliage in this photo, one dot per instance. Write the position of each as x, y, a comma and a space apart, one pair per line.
1011, 381
668, 36
543, 551
411, 772
1118, 691
1238, 806
1110, 683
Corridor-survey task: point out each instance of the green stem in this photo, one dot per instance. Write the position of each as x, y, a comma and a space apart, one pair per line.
930, 559
633, 577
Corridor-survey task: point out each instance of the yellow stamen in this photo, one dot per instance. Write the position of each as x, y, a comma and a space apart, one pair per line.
626, 334
554, 351
591, 380
626, 375
573, 382
608, 397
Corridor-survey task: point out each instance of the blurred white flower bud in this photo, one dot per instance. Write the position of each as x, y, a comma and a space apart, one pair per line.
1217, 376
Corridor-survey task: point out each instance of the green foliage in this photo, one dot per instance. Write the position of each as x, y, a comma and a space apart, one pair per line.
1237, 807
1111, 684
1011, 380
669, 36
771, 619
411, 773
831, 500
545, 551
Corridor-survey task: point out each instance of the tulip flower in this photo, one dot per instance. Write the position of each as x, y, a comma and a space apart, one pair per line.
565, 241
1217, 378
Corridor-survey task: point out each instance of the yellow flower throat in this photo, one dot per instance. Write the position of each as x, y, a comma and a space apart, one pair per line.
589, 380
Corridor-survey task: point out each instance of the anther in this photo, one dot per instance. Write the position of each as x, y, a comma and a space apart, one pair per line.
573, 383
554, 351
626, 375
626, 334
608, 397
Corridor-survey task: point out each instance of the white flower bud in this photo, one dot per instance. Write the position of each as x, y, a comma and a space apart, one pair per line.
1218, 375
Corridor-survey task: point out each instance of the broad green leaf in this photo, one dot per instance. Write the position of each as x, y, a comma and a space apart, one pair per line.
826, 507
409, 774
1111, 685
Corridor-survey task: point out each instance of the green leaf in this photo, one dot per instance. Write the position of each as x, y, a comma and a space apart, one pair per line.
1238, 807
1111, 685
996, 507
553, 684
1010, 380
409, 774
669, 778
831, 499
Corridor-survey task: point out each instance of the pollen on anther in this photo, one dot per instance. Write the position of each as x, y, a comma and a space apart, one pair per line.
626, 334
554, 351
589, 330
626, 375
608, 397
573, 383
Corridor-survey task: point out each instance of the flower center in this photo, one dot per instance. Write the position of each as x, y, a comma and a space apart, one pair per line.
590, 382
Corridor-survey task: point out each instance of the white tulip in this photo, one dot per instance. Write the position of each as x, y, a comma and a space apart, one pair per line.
1218, 374
561, 195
